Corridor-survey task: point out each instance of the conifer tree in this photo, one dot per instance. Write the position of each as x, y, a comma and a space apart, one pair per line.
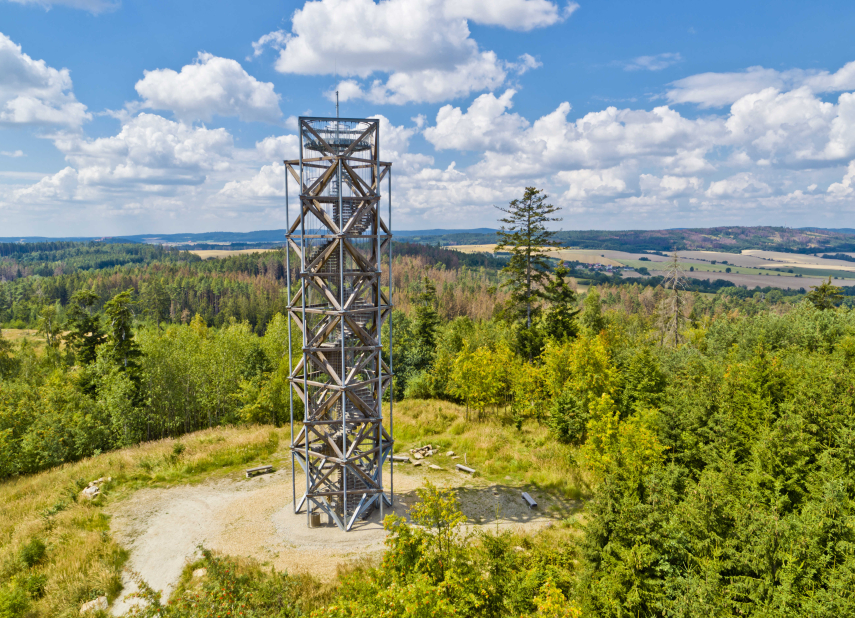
825, 296
427, 318
560, 321
85, 333
524, 234
123, 349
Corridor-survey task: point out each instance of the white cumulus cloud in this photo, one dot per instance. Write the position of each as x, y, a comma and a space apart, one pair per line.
33, 93
743, 184
484, 125
209, 87
844, 188
423, 46
59, 186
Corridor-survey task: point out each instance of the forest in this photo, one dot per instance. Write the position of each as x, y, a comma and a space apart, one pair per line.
714, 432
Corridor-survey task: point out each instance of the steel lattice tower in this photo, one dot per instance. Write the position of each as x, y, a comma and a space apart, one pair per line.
339, 304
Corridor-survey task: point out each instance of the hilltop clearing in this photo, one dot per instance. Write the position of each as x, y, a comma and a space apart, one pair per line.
164, 499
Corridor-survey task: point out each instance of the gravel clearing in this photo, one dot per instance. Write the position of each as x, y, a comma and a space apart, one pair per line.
163, 527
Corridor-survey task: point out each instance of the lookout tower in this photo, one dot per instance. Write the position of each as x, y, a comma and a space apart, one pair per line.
339, 303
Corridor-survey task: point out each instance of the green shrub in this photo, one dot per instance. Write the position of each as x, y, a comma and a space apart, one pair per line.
14, 602
32, 553
567, 418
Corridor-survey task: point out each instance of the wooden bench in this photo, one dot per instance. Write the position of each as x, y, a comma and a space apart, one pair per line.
401, 458
259, 470
463, 468
529, 501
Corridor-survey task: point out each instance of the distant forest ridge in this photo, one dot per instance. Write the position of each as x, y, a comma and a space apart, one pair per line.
727, 238
258, 237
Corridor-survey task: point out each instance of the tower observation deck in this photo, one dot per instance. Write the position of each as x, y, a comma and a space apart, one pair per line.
339, 303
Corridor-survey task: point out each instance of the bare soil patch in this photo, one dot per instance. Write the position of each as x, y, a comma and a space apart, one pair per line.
163, 527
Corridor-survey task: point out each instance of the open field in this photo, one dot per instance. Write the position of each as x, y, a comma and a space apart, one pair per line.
803, 261
752, 281
16, 334
579, 255
206, 254
751, 268
162, 501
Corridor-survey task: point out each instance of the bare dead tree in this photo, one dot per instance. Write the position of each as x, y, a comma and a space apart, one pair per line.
672, 310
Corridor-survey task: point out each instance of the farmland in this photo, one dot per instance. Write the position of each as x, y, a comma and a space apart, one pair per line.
750, 268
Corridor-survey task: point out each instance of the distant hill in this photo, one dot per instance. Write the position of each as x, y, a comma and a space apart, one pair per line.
732, 239
727, 238
231, 238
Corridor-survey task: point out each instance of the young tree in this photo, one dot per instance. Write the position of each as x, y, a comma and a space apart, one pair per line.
825, 296
592, 315
560, 319
7, 361
85, 332
524, 234
49, 325
426, 319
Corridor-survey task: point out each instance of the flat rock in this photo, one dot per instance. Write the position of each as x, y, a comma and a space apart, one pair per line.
450, 454
417, 463
98, 605
435, 467
90, 493
200, 572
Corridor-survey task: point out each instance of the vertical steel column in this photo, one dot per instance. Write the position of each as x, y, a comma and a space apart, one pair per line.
391, 359
377, 322
306, 408
290, 353
343, 372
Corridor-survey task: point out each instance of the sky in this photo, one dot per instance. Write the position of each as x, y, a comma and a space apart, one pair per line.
136, 117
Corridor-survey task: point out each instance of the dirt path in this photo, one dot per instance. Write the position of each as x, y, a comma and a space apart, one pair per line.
162, 528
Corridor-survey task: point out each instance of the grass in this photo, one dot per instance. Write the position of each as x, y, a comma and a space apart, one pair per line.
494, 447
16, 335
81, 561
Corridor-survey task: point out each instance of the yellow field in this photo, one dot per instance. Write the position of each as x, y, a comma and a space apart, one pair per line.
578, 255
207, 254
802, 261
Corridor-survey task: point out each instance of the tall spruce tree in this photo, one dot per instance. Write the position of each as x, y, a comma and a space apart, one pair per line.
123, 348
524, 234
85, 333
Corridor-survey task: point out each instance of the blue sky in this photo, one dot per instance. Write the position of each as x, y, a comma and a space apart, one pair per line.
121, 117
